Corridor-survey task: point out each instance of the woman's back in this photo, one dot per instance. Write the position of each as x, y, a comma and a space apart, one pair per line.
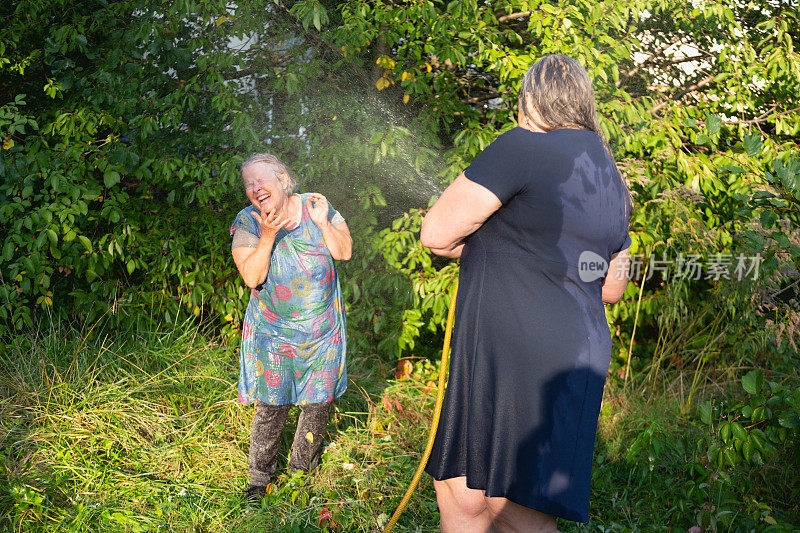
531, 345
561, 196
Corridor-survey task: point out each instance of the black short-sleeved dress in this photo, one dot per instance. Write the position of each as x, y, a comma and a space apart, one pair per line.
531, 345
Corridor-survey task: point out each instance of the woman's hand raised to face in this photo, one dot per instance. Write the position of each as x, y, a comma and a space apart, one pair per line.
337, 238
270, 222
317, 206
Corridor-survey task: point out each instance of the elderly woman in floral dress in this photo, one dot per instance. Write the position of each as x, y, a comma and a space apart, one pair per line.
293, 336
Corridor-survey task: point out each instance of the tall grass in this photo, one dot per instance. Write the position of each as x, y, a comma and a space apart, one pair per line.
140, 430
133, 429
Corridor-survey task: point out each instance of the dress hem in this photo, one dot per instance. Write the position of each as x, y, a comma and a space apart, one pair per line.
255, 400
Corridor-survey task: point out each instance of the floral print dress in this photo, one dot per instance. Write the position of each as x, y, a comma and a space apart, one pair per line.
294, 332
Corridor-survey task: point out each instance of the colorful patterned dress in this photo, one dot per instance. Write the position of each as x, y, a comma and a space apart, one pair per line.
294, 335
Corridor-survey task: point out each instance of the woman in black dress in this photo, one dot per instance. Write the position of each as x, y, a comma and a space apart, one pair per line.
540, 222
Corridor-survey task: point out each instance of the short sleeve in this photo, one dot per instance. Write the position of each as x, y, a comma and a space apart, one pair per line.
244, 229
242, 239
625, 238
504, 166
334, 217
626, 243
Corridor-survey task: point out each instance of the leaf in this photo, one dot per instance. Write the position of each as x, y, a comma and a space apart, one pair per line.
753, 381
382, 83
789, 419
732, 456
705, 412
768, 219
320, 16
747, 449
86, 243
733, 169
725, 431
785, 173
738, 432
713, 124
8, 251
759, 441
794, 400
404, 369
753, 145
110, 178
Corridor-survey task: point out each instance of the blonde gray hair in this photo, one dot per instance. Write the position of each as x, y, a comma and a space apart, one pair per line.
561, 91
278, 169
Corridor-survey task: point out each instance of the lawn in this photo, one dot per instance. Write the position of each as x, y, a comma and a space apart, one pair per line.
142, 431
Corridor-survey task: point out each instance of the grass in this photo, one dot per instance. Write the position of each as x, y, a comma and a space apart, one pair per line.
142, 432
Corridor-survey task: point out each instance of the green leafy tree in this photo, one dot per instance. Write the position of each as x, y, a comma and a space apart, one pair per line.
123, 126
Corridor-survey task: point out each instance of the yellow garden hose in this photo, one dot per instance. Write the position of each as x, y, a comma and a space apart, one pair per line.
448, 331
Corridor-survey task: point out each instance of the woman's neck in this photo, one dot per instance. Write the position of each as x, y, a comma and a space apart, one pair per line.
292, 210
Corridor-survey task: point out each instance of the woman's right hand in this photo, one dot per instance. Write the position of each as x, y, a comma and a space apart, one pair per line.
271, 222
253, 263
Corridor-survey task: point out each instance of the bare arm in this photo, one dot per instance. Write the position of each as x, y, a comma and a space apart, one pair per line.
462, 208
337, 238
253, 263
617, 276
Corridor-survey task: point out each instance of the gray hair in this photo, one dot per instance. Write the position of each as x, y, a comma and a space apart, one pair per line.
277, 167
561, 91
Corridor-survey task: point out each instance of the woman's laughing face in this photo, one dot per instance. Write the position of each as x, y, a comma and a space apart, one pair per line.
264, 189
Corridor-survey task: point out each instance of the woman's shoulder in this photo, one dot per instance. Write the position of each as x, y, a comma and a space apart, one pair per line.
246, 212
244, 219
519, 137
556, 134
564, 141
515, 141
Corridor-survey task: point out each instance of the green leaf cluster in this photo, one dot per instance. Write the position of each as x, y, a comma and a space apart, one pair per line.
753, 427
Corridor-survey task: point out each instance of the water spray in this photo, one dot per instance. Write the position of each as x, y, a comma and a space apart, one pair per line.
437, 411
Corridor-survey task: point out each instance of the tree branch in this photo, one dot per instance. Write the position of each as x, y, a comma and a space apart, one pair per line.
678, 60
693, 87
764, 117
483, 98
632, 72
363, 74
511, 16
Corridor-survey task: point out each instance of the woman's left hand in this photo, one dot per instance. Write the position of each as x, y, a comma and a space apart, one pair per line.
337, 238
317, 206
